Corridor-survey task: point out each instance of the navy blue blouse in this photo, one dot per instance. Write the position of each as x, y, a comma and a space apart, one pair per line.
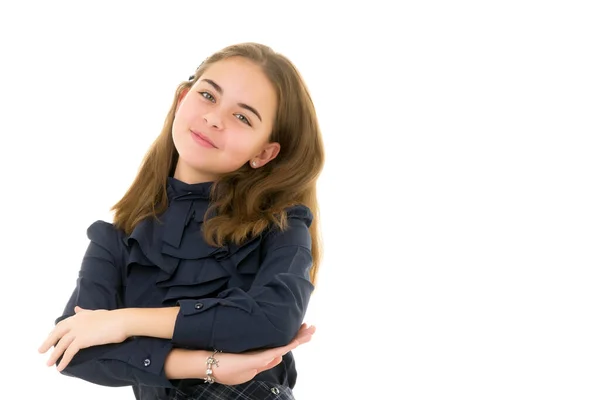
233, 298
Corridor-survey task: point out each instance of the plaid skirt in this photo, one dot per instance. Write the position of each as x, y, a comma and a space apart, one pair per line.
252, 390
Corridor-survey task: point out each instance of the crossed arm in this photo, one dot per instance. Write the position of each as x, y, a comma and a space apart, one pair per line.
107, 344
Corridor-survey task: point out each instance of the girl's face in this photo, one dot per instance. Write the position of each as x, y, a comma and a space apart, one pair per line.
224, 121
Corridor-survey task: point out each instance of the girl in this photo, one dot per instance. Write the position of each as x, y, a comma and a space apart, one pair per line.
199, 287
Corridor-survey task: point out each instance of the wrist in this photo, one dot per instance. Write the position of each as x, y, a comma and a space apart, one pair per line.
211, 363
186, 364
198, 363
122, 316
152, 322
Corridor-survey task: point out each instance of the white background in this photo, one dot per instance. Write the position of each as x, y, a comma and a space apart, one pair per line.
460, 197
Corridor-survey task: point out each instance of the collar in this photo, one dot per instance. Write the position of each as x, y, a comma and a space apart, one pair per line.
177, 189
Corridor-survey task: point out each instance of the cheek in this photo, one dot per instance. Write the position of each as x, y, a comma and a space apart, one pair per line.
184, 117
177, 132
180, 133
240, 147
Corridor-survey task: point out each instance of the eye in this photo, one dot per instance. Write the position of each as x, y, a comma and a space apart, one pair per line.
207, 96
243, 119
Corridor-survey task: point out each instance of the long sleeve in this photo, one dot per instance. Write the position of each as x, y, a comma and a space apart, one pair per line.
270, 313
137, 361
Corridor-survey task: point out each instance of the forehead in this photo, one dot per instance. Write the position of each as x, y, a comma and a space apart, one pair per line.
240, 79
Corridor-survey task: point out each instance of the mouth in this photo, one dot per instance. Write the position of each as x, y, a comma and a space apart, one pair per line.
203, 140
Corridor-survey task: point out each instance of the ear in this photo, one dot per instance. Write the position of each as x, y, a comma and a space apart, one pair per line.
182, 95
268, 153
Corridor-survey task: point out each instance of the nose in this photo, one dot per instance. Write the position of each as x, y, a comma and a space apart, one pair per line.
213, 119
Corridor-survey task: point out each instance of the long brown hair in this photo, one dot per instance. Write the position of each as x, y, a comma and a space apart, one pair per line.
247, 201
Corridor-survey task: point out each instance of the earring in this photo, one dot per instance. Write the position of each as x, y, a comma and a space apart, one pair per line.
254, 164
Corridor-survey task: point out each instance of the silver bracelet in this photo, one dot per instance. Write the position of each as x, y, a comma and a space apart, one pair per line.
210, 361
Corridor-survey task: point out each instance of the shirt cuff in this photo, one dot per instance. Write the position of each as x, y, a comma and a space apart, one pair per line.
194, 323
147, 358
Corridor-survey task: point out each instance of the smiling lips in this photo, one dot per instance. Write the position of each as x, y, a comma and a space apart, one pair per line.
203, 140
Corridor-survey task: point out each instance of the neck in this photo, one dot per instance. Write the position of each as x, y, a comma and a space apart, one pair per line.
187, 174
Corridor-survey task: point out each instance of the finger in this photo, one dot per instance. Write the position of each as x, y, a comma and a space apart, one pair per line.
306, 335
59, 349
310, 329
52, 339
305, 329
68, 356
301, 339
305, 339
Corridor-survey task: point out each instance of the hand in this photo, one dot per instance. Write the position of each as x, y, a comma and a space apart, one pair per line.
234, 369
84, 329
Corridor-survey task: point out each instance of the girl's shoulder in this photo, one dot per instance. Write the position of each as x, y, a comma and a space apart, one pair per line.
296, 232
106, 235
300, 212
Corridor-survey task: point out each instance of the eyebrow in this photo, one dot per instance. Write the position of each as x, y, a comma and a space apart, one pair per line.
243, 105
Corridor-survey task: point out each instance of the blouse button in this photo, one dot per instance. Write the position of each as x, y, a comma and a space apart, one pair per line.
146, 362
198, 306
274, 390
